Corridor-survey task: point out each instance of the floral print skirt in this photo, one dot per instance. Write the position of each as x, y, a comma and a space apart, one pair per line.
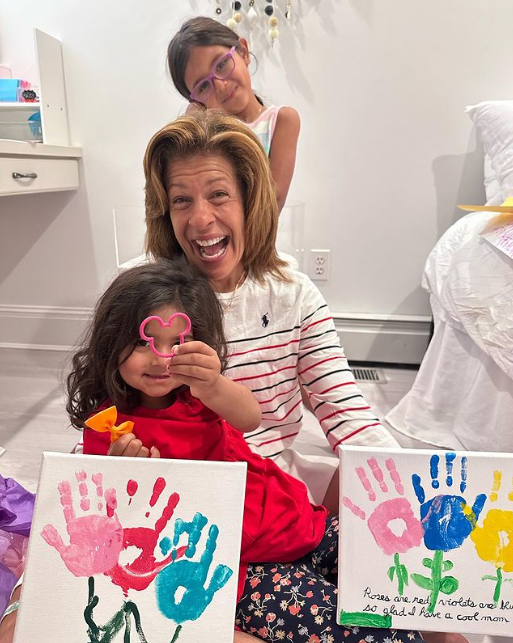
298, 601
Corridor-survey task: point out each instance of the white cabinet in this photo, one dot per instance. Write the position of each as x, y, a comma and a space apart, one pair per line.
28, 174
50, 165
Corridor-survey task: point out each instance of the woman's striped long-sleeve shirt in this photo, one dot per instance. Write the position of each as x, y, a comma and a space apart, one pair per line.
281, 334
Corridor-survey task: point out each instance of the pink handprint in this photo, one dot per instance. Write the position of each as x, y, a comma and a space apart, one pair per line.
95, 540
142, 571
386, 512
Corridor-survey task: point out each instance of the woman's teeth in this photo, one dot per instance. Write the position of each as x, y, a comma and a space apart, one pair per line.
212, 248
209, 242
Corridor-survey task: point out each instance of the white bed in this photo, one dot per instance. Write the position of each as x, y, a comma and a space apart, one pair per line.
463, 394
462, 397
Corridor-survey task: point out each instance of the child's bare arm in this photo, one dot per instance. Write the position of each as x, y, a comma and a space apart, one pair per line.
282, 156
197, 366
234, 403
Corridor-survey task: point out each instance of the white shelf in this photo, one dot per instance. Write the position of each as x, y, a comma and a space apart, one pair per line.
31, 107
27, 148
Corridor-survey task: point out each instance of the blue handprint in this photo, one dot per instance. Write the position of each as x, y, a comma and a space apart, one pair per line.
190, 575
447, 520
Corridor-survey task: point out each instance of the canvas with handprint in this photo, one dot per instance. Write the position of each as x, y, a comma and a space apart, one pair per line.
133, 550
426, 540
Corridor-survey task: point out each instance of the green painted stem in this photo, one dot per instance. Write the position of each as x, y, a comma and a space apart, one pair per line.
398, 571
177, 634
498, 586
436, 578
92, 602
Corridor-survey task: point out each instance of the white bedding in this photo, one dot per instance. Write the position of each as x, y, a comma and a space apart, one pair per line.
462, 397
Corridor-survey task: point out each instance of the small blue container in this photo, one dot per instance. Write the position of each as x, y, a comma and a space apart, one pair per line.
9, 90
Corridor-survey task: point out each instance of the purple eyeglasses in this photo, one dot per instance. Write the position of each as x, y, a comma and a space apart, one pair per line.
221, 69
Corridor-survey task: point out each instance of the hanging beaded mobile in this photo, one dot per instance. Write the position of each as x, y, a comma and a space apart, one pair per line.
236, 18
218, 9
251, 18
252, 14
273, 21
288, 10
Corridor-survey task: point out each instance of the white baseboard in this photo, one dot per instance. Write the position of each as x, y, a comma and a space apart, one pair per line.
391, 339
42, 327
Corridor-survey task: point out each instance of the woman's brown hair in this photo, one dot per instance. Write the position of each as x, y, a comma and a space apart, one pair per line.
219, 134
131, 297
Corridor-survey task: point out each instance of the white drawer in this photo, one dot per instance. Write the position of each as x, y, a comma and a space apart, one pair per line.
52, 174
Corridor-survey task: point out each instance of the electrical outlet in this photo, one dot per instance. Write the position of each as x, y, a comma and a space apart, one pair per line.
319, 265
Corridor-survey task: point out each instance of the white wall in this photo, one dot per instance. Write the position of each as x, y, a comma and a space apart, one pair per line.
385, 150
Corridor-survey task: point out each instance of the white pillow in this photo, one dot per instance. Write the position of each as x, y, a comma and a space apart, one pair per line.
494, 125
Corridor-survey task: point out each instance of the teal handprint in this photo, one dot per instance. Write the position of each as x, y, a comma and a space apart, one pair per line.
190, 575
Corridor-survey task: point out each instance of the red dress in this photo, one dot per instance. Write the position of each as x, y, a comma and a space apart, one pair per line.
279, 523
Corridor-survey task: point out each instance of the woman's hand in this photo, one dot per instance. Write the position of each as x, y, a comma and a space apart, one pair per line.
194, 106
196, 365
129, 445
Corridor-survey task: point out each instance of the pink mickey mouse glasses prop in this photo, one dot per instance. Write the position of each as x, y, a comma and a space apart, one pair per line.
161, 333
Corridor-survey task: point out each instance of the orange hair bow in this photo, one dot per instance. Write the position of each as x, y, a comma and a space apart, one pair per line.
106, 421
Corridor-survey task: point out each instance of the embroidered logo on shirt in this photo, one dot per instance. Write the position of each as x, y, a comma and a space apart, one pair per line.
265, 320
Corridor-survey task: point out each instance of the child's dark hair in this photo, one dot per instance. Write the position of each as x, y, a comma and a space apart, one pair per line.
196, 32
131, 297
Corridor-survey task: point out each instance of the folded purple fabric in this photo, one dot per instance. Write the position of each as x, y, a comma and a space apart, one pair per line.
16, 510
16, 507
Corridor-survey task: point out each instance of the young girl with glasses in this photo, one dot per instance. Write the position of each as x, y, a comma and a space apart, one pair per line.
209, 67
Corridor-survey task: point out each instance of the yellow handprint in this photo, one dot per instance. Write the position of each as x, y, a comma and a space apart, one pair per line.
494, 540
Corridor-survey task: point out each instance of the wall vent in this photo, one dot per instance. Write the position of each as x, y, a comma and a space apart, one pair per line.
371, 375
